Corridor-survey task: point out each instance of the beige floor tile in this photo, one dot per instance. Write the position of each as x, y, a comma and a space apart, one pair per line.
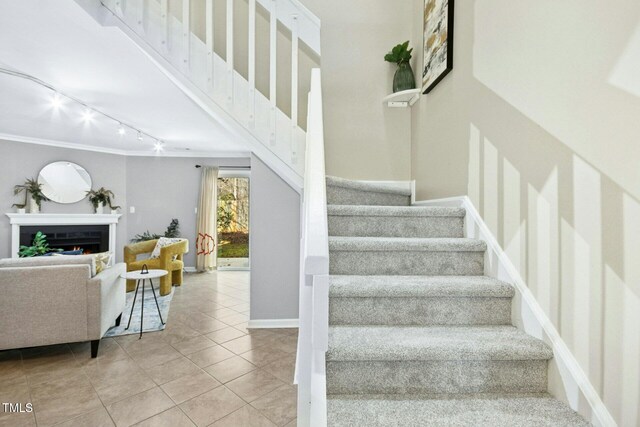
247, 416
264, 355
171, 370
18, 392
211, 406
109, 350
98, 418
292, 423
222, 312
156, 355
176, 331
235, 319
279, 405
117, 380
17, 420
133, 343
283, 368
223, 335
230, 369
191, 345
210, 355
173, 417
64, 399
254, 385
185, 388
287, 343
139, 407
244, 343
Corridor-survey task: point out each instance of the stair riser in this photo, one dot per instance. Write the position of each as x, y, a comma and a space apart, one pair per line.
348, 196
388, 226
402, 377
420, 311
408, 263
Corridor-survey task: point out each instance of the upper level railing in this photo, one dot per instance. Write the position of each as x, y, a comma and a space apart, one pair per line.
188, 35
314, 277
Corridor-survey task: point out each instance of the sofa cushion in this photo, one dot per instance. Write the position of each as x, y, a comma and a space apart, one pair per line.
50, 260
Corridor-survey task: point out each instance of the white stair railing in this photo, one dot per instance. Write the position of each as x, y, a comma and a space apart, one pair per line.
166, 26
314, 271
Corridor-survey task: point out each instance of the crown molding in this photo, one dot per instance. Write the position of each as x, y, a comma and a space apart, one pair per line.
118, 152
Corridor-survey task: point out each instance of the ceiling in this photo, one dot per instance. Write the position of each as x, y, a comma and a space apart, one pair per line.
60, 44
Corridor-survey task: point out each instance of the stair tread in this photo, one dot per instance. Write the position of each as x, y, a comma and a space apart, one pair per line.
394, 211
375, 187
407, 343
491, 410
343, 243
343, 286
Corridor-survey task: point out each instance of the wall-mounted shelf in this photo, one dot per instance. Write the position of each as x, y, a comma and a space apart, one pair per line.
403, 99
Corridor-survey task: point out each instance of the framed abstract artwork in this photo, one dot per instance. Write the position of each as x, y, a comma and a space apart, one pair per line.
438, 42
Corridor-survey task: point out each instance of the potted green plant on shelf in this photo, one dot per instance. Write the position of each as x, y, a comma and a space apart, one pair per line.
100, 198
32, 188
403, 78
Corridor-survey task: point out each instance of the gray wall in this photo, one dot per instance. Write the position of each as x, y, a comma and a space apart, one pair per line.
19, 161
160, 188
275, 245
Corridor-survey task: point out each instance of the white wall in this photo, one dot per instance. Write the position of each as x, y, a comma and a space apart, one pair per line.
274, 224
538, 123
363, 138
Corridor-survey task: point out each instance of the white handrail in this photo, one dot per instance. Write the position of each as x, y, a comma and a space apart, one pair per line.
314, 275
316, 247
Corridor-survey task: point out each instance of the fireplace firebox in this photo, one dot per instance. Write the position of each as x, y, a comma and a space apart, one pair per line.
89, 238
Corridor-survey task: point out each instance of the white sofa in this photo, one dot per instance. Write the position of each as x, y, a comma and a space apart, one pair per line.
58, 299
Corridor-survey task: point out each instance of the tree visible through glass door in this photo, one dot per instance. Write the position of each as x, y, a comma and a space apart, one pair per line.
233, 222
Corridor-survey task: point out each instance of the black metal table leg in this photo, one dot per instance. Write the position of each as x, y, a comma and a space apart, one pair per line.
156, 298
134, 304
142, 309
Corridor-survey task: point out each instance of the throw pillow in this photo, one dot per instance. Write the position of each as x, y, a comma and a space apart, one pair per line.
102, 261
162, 242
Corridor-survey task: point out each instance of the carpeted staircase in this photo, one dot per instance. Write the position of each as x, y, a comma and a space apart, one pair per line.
418, 336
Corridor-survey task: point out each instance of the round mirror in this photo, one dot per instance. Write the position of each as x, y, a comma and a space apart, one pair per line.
64, 182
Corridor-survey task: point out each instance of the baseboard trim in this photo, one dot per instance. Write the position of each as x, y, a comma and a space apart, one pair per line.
272, 323
190, 270
529, 316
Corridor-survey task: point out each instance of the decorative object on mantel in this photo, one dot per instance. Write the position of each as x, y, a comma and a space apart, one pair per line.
33, 188
404, 78
39, 247
64, 182
173, 231
100, 198
438, 42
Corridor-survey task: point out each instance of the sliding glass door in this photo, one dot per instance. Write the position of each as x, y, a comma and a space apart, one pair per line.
233, 220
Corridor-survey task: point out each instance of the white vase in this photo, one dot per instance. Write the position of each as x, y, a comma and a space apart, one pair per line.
22, 210
33, 206
114, 211
100, 208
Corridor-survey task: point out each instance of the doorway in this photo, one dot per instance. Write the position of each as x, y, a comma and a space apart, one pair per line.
233, 220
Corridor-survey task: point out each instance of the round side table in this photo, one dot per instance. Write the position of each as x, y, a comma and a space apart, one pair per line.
139, 276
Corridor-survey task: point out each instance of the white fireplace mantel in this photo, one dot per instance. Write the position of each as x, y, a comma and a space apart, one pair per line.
17, 220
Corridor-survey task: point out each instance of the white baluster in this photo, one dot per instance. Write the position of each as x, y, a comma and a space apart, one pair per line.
164, 20
294, 89
273, 62
119, 7
210, 45
186, 35
252, 64
230, 52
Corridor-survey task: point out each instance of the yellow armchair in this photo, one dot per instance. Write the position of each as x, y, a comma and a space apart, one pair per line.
166, 261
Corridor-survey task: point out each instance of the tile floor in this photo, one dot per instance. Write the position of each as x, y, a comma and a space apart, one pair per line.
205, 369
